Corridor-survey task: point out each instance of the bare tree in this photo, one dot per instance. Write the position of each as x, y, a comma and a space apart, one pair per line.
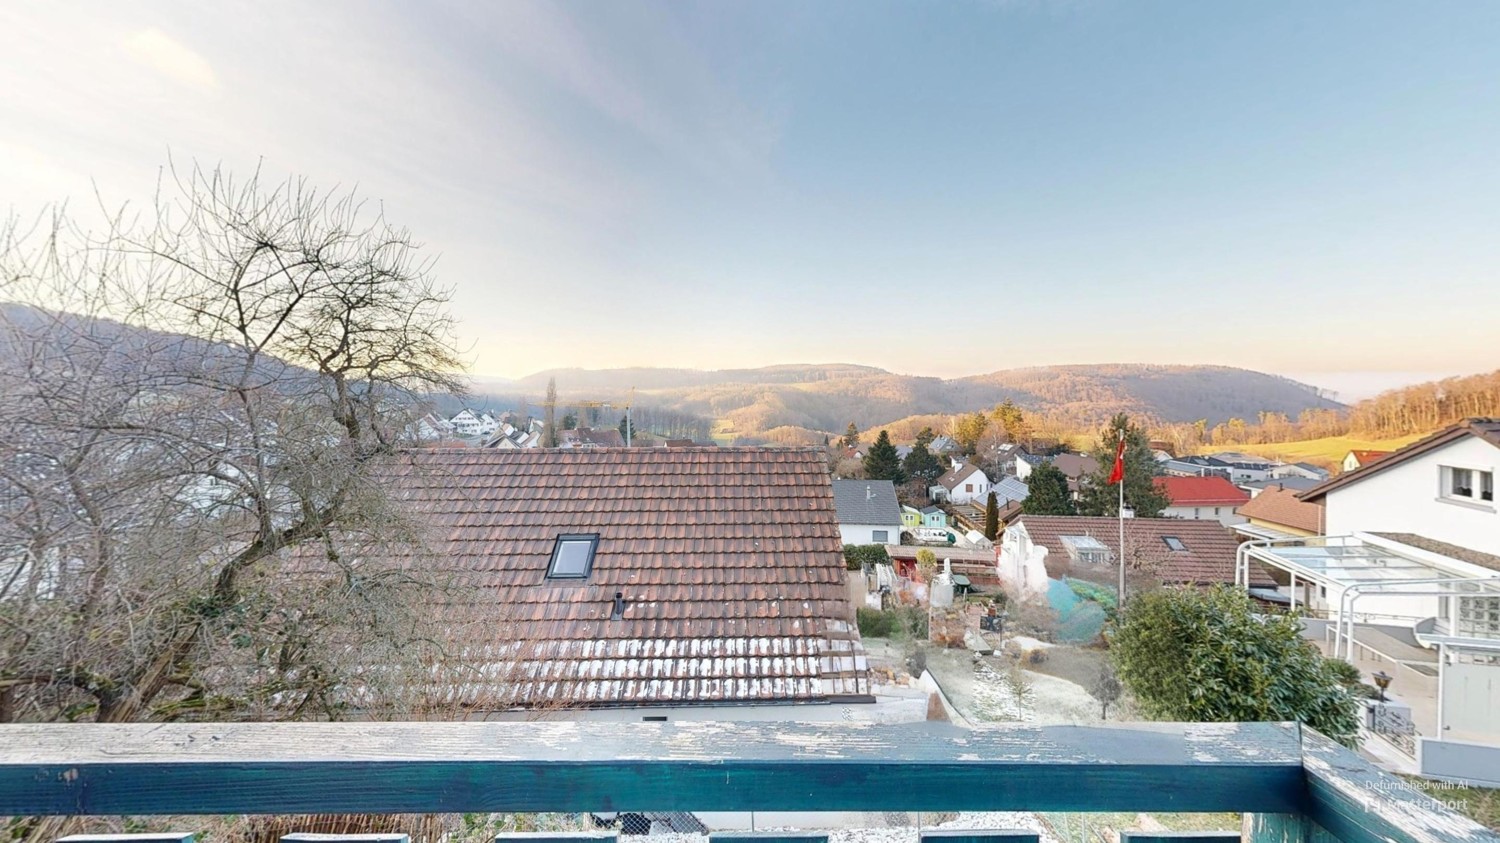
199, 405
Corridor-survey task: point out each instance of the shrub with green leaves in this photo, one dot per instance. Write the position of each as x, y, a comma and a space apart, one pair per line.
1210, 656
856, 556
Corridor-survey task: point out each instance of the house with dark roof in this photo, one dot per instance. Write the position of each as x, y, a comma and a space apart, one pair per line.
1194, 466
1202, 497
1073, 466
1403, 577
646, 580
868, 511
1172, 551
1305, 470
1294, 483
588, 437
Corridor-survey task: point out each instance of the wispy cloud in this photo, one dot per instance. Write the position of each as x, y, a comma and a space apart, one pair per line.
171, 58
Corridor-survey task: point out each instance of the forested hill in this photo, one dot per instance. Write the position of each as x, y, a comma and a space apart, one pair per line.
755, 402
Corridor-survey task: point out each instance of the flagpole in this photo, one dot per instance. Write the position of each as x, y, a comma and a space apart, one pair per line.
1120, 599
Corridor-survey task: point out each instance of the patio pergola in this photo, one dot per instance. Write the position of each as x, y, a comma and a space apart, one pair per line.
1356, 568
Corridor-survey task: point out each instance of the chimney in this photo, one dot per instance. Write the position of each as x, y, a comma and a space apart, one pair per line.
869, 493
618, 612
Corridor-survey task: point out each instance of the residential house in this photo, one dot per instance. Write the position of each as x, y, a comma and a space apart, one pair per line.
1202, 497
1246, 468
1277, 513
1039, 548
646, 583
1073, 466
961, 484
588, 437
868, 511
466, 422
944, 445
1294, 483
1304, 470
430, 428
1195, 466
510, 437
1404, 578
1357, 459
1006, 455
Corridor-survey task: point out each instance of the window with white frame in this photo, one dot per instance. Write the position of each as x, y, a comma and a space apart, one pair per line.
1468, 484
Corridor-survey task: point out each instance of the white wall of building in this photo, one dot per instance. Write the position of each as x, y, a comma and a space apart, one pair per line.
1224, 514
1022, 564
975, 487
1408, 498
865, 533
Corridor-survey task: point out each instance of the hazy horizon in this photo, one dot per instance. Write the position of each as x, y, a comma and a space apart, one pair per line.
1282, 187
1348, 387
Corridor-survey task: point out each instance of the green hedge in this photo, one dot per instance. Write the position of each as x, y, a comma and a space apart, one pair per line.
904, 622
856, 556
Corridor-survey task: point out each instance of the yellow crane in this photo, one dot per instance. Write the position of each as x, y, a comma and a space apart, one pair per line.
629, 399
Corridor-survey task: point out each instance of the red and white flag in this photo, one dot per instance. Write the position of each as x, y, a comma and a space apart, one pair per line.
1118, 474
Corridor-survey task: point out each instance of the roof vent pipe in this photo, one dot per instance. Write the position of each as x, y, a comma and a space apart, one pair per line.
618, 613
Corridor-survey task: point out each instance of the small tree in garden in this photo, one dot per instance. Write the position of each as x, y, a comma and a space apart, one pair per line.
1048, 492
1106, 689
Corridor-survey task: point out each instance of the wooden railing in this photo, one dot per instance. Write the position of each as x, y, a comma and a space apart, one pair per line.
1294, 785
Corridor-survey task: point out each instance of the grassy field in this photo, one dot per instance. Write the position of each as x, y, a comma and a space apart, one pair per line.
1329, 451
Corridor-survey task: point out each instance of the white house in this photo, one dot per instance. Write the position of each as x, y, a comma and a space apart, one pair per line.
962, 484
1299, 469
868, 511
466, 422
1203, 497
1442, 487
1408, 577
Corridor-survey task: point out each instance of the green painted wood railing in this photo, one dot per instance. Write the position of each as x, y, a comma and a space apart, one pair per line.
1297, 786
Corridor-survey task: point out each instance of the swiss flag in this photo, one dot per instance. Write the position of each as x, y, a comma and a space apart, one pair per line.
1118, 474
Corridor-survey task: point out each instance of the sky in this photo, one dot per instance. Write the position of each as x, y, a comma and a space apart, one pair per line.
949, 188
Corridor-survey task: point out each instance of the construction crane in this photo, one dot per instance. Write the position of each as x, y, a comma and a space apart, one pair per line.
630, 399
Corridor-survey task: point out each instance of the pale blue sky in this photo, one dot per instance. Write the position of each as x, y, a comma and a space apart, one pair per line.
935, 188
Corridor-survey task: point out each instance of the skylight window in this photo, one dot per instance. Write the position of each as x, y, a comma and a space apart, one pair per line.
1174, 544
573, 556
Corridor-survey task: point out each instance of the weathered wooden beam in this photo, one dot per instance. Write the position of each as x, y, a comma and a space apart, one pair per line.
1358, 803
557, 837
290, 768
146, 837
765, 837
999, 835
1179, 837
308, 837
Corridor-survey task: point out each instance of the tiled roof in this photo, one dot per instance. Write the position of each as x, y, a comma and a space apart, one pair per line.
1201, 491
1277, 505
1208, 559
728, 560
1452, 551
587, 437
1075, 465
1485, 429
1364, 458
954, 476
866, 502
